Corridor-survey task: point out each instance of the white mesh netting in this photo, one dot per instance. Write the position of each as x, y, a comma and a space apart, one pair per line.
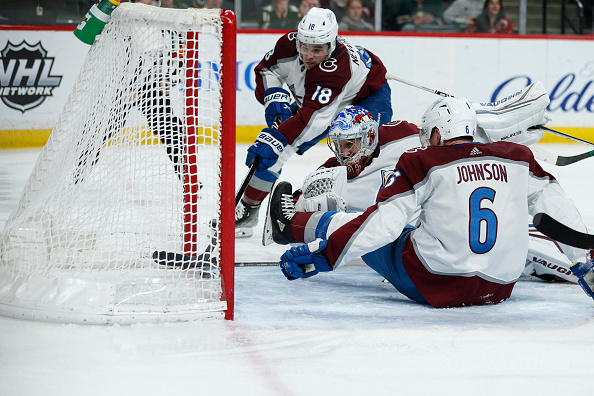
132, 167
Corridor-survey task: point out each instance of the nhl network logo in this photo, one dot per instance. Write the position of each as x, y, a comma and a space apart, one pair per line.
25, 76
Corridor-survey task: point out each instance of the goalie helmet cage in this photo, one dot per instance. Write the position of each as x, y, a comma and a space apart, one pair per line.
141, 159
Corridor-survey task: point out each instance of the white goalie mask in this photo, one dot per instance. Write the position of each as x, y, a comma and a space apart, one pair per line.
454, 117
353, 138
317, 27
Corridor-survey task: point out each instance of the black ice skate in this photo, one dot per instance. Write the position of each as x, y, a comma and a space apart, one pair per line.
281, 209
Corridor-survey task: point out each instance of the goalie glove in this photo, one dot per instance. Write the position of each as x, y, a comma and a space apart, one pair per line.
514, 118
585, 275
277, 104
323, 190
268, 146
305, 260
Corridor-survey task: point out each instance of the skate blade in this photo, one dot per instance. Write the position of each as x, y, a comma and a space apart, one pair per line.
267, 231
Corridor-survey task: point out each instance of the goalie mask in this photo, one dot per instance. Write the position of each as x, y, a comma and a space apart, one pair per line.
454, 117
353, 138
318, 27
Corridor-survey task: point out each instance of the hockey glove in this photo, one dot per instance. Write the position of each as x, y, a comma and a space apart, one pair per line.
276, 104
585, 275
305, 260
269, 144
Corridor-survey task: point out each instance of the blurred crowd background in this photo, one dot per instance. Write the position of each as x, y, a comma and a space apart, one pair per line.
437, 16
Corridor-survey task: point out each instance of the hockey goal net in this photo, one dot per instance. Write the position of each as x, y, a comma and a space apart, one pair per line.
128, 214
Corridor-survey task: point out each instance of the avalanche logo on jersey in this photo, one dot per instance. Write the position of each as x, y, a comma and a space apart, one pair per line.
389, 178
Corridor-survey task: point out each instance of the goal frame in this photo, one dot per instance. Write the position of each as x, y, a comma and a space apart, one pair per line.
226, 77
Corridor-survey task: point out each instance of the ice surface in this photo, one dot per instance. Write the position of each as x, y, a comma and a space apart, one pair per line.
345, 333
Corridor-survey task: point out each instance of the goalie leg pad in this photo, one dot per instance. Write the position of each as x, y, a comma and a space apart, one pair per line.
510, 118
546, 260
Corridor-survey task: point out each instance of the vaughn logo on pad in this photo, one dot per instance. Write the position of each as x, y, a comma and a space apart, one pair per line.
25, 76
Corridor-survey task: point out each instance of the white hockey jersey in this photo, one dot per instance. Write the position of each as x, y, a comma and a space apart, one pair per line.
351, 74
472, 243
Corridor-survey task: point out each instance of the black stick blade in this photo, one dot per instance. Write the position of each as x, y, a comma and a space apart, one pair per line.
561, 233
203, 262
562, 161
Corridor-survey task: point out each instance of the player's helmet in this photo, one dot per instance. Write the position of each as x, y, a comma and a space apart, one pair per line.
454, 117
318, 26
353, 138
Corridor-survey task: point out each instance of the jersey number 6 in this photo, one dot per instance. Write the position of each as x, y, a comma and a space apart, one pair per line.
482, 224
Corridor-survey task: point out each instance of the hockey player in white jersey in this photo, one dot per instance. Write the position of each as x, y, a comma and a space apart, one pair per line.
364, 154
471, 246
304, 82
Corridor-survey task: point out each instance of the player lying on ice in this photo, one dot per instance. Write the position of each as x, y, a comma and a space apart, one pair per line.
471, 245
324, 73
363, 153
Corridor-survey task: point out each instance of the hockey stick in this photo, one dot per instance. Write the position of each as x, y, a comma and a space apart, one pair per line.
561, 233
206, 259
390, 76
559, 160
566, 136
253, 168
246, 180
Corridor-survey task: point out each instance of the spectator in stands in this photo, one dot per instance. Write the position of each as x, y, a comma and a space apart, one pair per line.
463, 12
492, 20
411, 15
306, 5
353, 20
279, 14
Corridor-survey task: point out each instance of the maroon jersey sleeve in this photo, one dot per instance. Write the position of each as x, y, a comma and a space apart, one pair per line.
283, 49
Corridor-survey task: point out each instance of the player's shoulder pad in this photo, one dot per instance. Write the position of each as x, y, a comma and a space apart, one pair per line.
396, 130
513, 150
286, 46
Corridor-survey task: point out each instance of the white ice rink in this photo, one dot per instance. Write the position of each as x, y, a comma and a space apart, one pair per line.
344, 333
